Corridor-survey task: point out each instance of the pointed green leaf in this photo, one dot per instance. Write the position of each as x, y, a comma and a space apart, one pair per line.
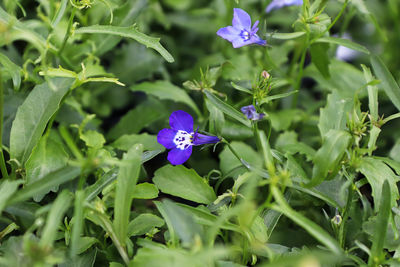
227, 109
33, 116
388, 83
126, 182
185, 183
327, 159
129, 32
376, 173
344, 42
166, 90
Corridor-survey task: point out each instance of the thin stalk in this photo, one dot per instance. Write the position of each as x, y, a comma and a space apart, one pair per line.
67, 34
3, 167
300, 73
70, 143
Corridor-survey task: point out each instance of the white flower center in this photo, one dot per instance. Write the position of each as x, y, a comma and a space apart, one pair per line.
245, 35
183, 140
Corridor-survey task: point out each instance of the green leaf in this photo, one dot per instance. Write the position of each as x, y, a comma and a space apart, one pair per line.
92, 191
334, 115
228, 161
145, 191
320, 58
45, 184
327, 159
377, 254
13, 69
143, 115
216, 119
285, 36
59, 13
388, 84
311, 227
203, 216
58, 208
344, 42
7, 189
21, 31
126, 182
180, 221
77, 242
48, 156
372, 93
85, 242
377, 173
126, 141
165, 90
32, 116
185, 183
227, 109
241, 88
93, 139
143, 223
129, 32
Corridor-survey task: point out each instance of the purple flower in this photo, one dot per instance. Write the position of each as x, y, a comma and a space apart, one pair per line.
180, 138
241, 33
276, 4
251, 113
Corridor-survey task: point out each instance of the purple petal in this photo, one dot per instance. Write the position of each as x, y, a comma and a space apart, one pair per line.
229, 33
241, 19
239, 42
276, 4
201, 139
255, 39
254, 28
178, 157
166, 138
181, 120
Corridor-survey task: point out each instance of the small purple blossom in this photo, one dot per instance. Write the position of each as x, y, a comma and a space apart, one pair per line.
241, 32
251, 113
181, 137
276, 4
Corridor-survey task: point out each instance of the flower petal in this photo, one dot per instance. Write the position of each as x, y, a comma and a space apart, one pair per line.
241, 19
181, 120
229, 33
239, 42
201, 139
177, 156
276, 4
166, 138
255, 39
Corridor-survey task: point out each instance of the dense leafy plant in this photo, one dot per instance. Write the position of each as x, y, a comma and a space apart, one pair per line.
282, 133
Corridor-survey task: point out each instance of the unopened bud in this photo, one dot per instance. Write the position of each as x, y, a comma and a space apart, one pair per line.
265, 74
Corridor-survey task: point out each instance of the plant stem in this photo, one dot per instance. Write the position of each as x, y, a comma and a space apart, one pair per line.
67, 34
3, 167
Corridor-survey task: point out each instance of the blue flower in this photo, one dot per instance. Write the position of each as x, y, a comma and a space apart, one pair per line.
276, 4
251, 113
241, 33
180, 138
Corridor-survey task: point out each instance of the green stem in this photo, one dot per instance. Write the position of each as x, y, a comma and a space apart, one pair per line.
70, 143
300, 74
233, 151
2, 161
67, 34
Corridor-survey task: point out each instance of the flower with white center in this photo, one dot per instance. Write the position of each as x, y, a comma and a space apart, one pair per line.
241, 32
181, 137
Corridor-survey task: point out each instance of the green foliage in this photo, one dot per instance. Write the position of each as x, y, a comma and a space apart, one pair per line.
185, 183
86, 86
